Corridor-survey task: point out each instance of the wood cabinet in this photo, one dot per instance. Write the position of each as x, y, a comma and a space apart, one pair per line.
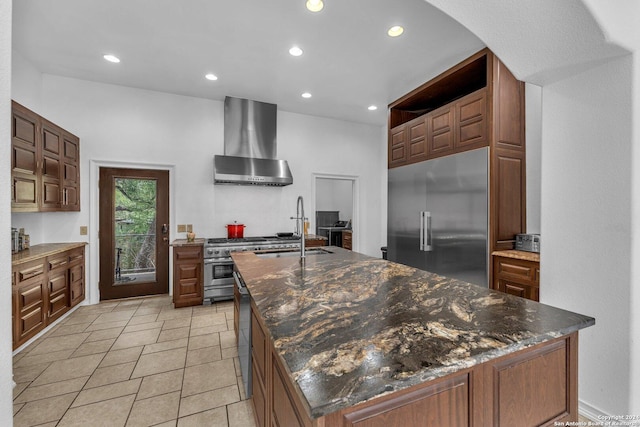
315, 241
188, 275
347, 239
43, 289
519, 277
531, 387
45, 164
477, 103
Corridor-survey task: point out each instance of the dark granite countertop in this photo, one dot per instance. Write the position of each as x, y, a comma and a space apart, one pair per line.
350, 327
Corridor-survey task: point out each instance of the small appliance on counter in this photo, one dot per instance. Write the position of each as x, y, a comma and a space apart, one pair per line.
19, 240
528, 242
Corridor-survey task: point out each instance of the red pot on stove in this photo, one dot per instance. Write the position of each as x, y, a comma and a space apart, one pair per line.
235, 230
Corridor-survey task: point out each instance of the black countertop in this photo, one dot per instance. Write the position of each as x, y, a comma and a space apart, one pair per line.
351, 327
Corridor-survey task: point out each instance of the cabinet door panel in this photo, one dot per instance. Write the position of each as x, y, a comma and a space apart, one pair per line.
24, 160
284, 411
51, 167
441, 136
442, 404
71, 150
24, 130
24, 191
50, 141
417, 140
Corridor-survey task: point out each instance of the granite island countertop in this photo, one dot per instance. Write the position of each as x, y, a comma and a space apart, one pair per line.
350, 328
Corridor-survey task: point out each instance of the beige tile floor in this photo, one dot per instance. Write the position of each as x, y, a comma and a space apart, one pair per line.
136, 362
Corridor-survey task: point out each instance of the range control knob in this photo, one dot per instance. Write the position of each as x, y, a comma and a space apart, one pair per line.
210, 251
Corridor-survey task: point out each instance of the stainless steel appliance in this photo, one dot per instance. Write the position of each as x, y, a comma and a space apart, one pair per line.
218, 265
438, 216
250, 146
244, 334
528, 242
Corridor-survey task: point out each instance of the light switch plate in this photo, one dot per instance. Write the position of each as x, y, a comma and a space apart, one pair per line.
83, 230
182, 228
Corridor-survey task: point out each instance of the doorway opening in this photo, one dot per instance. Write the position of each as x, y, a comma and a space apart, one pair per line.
336, 204
134, 232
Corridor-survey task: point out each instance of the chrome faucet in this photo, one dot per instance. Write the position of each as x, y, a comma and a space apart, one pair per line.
300, 217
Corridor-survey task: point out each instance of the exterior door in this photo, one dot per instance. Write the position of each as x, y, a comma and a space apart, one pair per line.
134, 232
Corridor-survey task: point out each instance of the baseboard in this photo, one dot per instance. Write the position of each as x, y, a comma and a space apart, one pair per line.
592, 413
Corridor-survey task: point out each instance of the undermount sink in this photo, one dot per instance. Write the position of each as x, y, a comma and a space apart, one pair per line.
282, 254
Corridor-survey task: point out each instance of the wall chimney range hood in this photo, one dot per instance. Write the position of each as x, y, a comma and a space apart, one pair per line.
250, 146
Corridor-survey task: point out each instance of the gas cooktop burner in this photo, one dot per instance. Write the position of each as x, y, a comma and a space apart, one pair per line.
222, 240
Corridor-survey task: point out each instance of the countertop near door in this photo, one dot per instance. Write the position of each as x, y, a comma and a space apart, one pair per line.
43, 250
350, 328
184, 242
523, 255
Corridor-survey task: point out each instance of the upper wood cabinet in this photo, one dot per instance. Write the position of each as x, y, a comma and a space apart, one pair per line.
477, 103
45, 164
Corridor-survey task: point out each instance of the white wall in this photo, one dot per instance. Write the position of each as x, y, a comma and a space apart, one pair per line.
120, 124
335, 195
6, 366
586, 221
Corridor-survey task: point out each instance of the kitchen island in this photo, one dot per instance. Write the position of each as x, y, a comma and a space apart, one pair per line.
349, 339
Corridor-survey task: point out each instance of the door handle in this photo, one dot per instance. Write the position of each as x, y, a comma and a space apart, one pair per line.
165, 228
425, 231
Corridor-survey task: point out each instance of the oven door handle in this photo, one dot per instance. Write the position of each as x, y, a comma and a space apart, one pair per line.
218, 261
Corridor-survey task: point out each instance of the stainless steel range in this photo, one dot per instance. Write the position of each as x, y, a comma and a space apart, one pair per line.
218, 265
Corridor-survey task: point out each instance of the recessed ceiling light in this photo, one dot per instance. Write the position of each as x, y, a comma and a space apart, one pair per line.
111, 58
306, 95
395, 31
372, 108
315, 5
211, 76
295, 51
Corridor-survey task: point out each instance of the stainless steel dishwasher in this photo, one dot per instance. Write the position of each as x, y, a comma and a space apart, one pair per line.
244, 333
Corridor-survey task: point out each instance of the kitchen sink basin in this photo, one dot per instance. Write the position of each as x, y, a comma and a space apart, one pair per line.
293, 253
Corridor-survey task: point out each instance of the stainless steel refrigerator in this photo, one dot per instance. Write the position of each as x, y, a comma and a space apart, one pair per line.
438, 216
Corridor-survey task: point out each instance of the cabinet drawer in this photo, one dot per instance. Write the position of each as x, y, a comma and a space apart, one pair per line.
57, 283
29, 270
29, 296
57, 261
58, 305
187, 253
76, 256
512, 268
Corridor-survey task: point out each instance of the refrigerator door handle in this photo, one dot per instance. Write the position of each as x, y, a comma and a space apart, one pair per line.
427, 232
422, 230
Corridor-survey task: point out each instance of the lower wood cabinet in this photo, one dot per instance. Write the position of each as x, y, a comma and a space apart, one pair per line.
188, 275
43, 289
347, 240
517, 277
531, 387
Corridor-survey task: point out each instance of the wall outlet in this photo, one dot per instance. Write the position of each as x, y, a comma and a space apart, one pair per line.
83, 230
182, 228
189, 228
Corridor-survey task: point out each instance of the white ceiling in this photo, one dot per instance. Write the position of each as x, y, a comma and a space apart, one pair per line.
348, 63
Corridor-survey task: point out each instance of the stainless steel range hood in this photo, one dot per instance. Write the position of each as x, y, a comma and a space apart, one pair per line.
250, 146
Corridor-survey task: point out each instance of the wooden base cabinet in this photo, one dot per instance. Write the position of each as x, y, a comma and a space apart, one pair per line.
43, 290
531, 387
188, 275
517, 277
